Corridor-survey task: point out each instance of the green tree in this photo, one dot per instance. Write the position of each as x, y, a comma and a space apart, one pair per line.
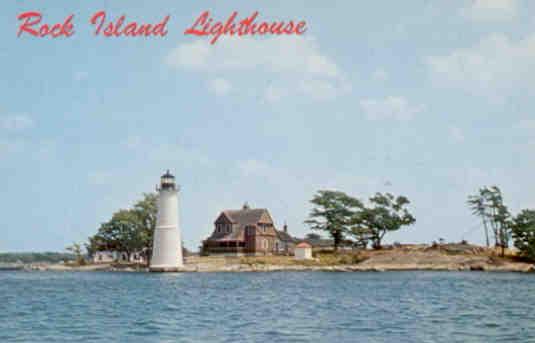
477, 205
523, 231
122, 232
129, 230
95, 243
147, 211
386, 213
312, 236
76, 250
500, 217
332, 213
489, 206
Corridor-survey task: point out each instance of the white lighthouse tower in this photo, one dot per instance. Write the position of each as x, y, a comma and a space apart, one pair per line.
167, 244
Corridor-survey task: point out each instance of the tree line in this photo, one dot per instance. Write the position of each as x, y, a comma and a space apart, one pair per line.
33, 257
129, 230
345, 217
500, 225
341, 216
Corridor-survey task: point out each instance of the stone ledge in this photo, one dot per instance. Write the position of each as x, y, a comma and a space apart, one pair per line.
165, 269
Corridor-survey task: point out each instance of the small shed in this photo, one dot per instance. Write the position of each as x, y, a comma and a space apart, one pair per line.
104, 256
303, 251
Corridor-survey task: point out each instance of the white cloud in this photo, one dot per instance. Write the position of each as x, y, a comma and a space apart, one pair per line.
195, 55
320, 65
380, 75
293, 63
391, 107
490, 10
496, 65
278, 54
16, 122
527, 124
219, 86
311, 88
456, 135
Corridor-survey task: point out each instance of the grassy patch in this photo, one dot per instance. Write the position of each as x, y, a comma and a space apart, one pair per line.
321, 259
340, 258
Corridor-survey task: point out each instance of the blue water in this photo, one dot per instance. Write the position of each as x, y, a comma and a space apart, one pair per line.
255, 307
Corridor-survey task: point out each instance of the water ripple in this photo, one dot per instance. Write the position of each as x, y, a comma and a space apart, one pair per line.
250, 307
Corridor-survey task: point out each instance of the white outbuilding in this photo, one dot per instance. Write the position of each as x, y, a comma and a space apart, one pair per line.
303, 251
109, 256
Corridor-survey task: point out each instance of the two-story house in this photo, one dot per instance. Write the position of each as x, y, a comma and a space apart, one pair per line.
244, 231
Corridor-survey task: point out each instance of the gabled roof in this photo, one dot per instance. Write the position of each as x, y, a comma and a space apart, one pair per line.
236, 235
285, 236
240, 220
248, 216
303, 245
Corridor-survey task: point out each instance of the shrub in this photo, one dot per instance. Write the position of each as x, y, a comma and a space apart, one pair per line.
523, 230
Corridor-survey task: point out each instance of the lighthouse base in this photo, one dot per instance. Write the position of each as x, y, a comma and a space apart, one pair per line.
165, 269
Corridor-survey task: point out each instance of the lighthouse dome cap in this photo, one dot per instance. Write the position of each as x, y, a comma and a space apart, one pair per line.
168, 175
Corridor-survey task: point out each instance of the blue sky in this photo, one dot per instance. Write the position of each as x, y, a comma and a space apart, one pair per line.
427, 99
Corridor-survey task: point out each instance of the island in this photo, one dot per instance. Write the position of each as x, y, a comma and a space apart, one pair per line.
407, 257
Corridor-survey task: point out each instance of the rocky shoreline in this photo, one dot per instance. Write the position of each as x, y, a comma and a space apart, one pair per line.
508, 267
418, 258
278, 268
